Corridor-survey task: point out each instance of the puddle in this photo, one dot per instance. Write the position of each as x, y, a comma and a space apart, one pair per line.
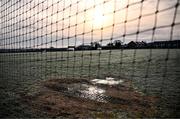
87, 91
93, 93
107, 81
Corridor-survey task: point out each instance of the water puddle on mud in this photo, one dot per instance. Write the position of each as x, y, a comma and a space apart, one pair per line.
86, 91
86, 98
91, 91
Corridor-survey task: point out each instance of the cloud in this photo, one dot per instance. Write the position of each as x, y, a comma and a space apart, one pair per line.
39, 23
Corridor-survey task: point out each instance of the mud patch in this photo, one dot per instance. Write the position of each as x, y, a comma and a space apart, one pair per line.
84, 98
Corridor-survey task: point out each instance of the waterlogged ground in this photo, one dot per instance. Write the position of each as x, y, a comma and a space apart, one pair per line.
39, 78
82, 98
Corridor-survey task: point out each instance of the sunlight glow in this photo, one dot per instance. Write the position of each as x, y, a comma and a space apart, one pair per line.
98, 18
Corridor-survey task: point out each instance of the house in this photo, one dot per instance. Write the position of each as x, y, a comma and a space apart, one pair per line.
133, 44
141, 44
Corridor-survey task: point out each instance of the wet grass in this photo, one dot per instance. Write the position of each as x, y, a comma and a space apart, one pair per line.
23, 73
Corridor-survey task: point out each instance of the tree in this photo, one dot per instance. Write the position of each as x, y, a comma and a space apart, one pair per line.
51, 47
110, 45
95, 45
117, 43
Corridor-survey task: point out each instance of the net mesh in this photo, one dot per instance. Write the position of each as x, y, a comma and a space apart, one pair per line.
134, 40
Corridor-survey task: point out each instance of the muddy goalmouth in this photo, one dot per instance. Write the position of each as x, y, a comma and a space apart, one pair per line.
98, 98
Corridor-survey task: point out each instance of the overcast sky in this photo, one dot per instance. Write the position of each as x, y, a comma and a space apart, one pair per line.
46, 23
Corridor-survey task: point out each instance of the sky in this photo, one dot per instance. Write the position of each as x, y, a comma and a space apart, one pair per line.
62, 23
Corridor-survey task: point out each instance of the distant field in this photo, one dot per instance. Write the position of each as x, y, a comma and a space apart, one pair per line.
37, 66
152, 74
